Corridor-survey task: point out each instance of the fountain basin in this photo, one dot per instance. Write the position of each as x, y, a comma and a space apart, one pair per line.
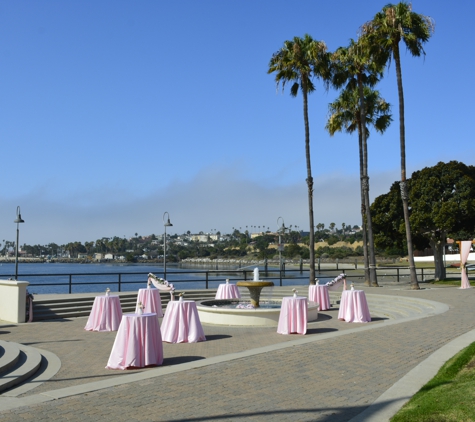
210, 312
255, 288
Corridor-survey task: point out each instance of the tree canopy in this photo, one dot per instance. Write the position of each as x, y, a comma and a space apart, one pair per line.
441, 204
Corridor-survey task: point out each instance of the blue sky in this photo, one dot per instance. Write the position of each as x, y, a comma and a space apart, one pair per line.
113, 112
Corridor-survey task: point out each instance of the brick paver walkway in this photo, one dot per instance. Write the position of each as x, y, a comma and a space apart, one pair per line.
330, 380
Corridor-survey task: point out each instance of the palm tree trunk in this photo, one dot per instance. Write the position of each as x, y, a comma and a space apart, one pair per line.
363, 210
372, 255
365, 184
310, 188
438, 246
403, 185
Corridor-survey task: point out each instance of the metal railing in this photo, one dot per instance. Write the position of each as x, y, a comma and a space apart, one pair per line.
206, 277
119, 279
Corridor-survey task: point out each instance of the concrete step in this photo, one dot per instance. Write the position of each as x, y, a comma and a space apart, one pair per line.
9, 355
25, 367
75, 306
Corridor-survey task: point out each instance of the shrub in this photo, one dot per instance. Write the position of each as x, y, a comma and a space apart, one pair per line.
332, 240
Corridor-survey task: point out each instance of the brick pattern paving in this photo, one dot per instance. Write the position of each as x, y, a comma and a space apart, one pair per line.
331, 380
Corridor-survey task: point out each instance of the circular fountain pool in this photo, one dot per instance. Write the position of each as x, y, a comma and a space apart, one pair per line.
227, 312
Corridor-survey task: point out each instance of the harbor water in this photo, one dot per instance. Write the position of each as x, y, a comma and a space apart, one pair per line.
47, 278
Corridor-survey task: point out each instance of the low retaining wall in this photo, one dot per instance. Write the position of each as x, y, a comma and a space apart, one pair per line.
448, 258
13, 300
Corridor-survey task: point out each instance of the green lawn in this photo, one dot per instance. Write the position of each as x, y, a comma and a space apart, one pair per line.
449, 396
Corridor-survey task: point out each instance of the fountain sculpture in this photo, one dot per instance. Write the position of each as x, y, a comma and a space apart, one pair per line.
255, 287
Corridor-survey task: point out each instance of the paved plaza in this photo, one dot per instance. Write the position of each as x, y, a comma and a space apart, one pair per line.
333, 373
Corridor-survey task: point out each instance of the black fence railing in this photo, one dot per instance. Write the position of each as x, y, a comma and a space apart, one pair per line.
197, 278
205, 279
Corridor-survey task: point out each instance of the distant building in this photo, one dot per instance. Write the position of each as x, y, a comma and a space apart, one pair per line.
203, 238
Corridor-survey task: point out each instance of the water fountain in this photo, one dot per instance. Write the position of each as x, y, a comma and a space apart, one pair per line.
255, 287
234, 312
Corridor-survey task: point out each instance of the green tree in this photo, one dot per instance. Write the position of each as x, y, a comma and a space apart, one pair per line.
396, 23
291, 250
298, 62
442, 203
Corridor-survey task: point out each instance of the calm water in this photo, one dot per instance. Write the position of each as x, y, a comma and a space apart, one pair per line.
91, 278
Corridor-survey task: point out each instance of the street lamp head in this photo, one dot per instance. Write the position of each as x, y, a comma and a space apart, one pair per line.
282, 228
167, 224
18, 216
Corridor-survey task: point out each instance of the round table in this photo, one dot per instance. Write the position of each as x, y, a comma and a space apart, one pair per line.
138, 343
105, 315
354, 307
293, 315
181, 323
227, 291
319, 293
150, 299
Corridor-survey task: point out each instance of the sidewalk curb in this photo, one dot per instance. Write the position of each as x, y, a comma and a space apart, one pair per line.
391, 401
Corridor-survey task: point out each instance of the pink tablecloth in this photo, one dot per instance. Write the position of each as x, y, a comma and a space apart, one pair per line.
181, 323
227, 291
138, 343
319, 294
105, 315
151, 301
353, 307
293, 316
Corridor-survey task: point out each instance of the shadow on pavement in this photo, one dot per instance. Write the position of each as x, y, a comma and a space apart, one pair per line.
180, 359
211, 337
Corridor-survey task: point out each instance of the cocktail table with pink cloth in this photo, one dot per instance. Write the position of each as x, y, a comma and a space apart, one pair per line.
150, 299
106, 314
319, 293
228, 291
354, 307
181, 323
138, 343
293, 315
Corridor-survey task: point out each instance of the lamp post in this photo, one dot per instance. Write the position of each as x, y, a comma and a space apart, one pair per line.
17, 221
165, 225
280, 230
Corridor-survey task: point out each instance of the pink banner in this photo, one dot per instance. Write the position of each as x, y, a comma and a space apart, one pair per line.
464, 252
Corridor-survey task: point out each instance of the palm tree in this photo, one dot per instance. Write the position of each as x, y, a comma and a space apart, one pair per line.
355, 68
393, 24
345, 115
298, 62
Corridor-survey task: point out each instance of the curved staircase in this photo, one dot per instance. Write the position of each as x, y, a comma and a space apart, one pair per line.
20, 363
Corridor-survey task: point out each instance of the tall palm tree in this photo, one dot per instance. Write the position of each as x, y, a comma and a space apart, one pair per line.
396, 23
345, 116
298, 62
354, 68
